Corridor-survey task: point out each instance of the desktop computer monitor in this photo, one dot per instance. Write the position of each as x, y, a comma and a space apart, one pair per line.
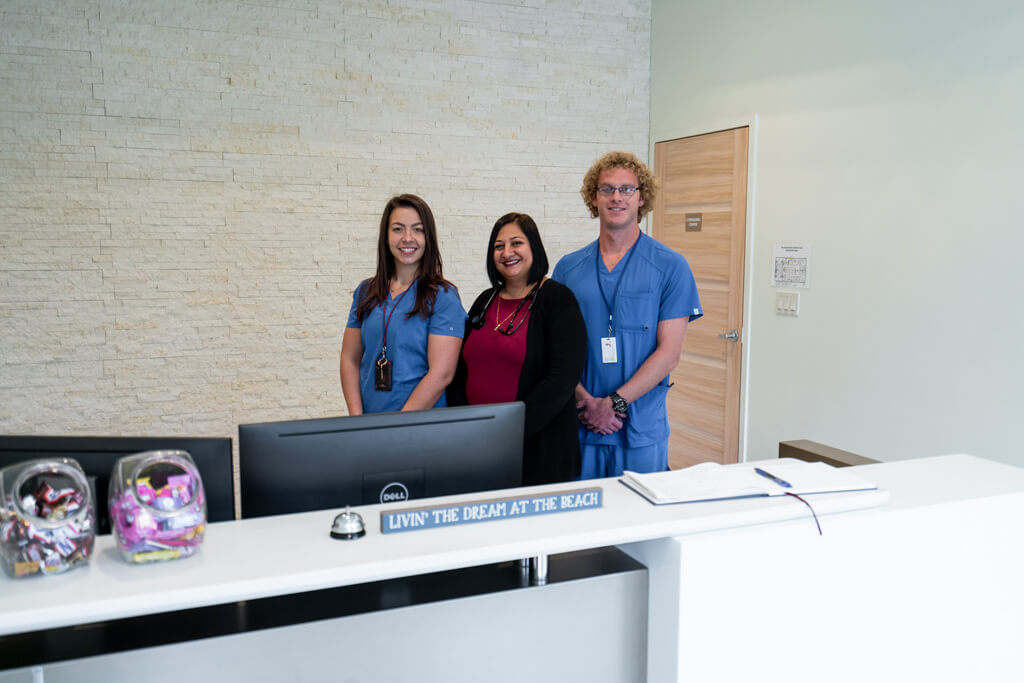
319, 464
97, 455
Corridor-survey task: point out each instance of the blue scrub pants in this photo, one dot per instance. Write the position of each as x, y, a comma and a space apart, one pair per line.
601, 461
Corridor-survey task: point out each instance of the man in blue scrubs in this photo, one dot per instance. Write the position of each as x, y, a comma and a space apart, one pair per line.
637, 297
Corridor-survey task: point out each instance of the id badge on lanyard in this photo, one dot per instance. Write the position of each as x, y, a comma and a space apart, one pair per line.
384, 368
609, 349
382, 373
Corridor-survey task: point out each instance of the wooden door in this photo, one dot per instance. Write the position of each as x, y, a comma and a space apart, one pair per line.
701, 213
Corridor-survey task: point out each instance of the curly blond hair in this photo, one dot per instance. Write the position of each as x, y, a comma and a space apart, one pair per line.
645, 179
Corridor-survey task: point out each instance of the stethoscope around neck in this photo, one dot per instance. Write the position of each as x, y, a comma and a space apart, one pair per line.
477, 321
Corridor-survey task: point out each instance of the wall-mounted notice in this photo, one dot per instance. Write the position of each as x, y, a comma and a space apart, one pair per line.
431, 517
791, 265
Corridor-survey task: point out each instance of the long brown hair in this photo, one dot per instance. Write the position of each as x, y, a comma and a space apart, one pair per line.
375, 290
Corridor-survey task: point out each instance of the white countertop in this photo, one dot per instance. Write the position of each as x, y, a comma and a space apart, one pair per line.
270, 556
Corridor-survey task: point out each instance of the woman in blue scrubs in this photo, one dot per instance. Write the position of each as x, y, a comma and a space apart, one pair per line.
405, 327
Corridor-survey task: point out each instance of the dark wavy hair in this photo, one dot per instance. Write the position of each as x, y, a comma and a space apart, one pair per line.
644, 178
540, 257
430, 276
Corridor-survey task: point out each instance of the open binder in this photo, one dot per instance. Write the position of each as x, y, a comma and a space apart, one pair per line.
711, 481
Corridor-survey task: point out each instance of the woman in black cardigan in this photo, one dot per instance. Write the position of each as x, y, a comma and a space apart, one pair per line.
525, 341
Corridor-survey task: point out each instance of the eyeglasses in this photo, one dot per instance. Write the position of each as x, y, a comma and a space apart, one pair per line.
624, 190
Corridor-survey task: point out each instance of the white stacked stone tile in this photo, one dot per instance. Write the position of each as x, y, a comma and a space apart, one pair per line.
189, 192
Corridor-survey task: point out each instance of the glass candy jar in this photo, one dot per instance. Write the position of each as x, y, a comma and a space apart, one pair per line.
157, 506
47, 517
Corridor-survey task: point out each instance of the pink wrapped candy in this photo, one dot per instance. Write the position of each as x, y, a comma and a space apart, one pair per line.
157, 506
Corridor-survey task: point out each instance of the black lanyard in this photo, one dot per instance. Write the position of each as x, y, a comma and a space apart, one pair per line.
622, 276
532, 297
385, 320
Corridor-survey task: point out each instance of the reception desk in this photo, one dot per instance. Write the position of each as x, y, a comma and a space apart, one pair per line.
752, 575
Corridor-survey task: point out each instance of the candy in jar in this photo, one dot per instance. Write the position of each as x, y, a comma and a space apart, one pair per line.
157, 506
47, 517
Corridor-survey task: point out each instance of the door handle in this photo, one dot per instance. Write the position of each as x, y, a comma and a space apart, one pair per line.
731, 335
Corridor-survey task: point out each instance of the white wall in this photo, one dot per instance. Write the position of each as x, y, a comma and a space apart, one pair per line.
889, 139
190, 191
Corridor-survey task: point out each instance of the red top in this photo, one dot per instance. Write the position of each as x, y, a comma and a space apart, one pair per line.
494, 360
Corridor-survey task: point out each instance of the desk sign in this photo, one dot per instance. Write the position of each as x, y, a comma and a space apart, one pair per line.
415, 519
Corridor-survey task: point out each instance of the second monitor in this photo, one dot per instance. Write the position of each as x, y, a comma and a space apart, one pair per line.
304, 465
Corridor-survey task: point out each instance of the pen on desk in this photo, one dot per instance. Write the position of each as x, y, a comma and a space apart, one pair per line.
769, 475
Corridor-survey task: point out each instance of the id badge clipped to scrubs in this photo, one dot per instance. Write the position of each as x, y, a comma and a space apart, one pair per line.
609, 353
382, 374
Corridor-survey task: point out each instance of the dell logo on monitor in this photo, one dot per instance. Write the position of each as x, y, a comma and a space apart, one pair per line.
395, 491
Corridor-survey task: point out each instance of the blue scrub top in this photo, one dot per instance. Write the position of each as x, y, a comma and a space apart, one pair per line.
407, 344
656, 284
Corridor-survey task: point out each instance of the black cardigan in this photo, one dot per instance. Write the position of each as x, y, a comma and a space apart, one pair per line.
556, 352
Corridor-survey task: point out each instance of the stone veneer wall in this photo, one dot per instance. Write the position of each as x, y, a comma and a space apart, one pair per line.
190, 191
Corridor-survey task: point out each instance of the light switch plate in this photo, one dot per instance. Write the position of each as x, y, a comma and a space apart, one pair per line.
787, 303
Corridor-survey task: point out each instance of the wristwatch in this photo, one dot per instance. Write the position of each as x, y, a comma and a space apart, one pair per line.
619, 404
